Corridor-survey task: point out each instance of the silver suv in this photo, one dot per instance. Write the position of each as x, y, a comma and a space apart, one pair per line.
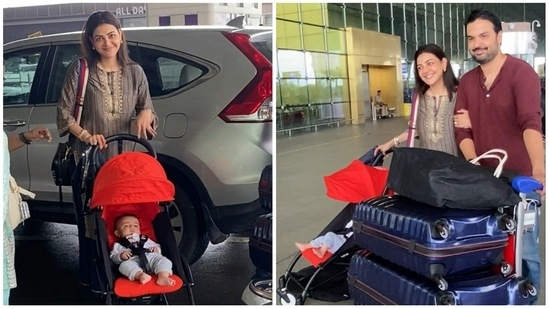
211, 88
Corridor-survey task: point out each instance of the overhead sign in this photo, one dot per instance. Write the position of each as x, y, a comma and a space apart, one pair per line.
133, 10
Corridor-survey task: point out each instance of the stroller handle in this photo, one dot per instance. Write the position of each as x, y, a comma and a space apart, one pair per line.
124, 137
374, 160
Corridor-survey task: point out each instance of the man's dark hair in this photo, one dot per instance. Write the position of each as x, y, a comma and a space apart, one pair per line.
486, 15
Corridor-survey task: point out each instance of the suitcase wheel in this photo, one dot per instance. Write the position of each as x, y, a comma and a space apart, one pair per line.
506, 268
509, 225
442, 229
527, 288
442, 284
447, 299
532, 290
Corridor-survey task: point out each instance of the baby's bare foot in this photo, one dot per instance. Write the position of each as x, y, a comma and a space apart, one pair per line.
144, 278
301, 246
164, 280
318, 252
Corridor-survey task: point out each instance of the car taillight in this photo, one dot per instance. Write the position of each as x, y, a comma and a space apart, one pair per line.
254, 102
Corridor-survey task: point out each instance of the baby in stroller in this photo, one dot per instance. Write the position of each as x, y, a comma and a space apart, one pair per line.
131, 194
134, 250
329, 242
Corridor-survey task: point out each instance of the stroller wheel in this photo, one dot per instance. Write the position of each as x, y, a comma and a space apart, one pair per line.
292, 300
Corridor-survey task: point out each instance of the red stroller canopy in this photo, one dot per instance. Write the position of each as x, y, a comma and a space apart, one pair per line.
131, 177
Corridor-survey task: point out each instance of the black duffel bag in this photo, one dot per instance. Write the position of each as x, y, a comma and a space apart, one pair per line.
443, 180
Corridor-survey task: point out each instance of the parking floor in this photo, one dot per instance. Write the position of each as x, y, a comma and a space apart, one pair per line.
46, 261
302, 207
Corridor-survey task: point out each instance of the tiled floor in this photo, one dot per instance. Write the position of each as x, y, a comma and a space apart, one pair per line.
302, 207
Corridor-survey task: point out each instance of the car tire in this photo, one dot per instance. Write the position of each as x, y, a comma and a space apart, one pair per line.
189, 226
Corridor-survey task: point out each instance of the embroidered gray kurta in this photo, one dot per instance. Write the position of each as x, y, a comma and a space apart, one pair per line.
110, 102
435, 123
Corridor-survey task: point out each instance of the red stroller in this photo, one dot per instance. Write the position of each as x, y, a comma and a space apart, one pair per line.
132, 183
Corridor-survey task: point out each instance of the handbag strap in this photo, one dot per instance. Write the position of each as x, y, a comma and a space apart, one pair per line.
81, 90
499, 154
412, 121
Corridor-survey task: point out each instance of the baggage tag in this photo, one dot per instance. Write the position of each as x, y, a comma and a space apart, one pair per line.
530, 215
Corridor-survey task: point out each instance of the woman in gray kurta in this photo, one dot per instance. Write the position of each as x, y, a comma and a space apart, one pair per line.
436, 85
116, 90
110, 102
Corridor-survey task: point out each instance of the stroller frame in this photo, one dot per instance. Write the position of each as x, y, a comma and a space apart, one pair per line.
285, 296
96, 230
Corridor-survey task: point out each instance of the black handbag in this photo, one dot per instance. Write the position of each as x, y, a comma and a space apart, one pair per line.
61, 168
443, 180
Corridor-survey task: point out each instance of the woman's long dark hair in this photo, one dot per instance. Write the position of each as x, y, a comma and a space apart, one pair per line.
95, 20
448, 77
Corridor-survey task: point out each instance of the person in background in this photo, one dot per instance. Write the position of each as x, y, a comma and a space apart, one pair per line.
501, 99
12, 143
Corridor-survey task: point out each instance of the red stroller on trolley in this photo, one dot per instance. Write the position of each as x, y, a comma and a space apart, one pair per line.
131, 183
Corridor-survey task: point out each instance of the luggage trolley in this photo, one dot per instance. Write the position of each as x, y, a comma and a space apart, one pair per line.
525, 214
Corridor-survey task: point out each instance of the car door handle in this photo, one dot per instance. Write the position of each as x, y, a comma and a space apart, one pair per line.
14, 123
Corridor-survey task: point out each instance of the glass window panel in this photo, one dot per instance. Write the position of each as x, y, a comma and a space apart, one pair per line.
370, 8
291, 64
319, 90
446, 40
353, 17
341, 111
316, 65
340, 90
336, 41
287, 11
421, 33
370, 21
287, 35
19, 73
430, 37
385, 10
385, 19
293, 91
338, 65
321, 113
385, 24
311, 13
354, 6
313, 38
335, 15
277, 87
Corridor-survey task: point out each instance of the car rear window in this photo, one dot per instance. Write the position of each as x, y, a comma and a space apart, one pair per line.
266, 48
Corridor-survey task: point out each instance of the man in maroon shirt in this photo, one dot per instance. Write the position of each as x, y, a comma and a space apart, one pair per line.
501, 97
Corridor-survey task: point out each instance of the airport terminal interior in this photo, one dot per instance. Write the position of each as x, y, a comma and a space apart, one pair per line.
341, 55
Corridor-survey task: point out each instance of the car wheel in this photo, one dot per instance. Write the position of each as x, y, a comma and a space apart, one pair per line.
188, 226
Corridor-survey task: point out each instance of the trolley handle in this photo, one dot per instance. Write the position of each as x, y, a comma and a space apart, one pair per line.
525, 184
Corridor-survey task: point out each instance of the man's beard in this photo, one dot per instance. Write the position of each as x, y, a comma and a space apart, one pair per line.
487, 57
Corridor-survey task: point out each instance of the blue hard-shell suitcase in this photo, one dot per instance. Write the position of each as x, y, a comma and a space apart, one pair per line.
374, 281
433, 242
260, 243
